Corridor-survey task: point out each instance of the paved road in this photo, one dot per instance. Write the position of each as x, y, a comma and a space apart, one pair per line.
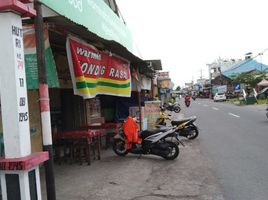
235, 138
189, 177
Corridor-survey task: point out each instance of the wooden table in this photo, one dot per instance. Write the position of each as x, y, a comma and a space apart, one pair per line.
82, 140
108, 130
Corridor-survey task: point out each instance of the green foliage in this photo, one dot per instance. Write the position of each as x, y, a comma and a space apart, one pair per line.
238, 101
178, 88
250, 79
261, 96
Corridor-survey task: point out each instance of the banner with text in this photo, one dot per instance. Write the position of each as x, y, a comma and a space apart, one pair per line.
95, 72
31, 59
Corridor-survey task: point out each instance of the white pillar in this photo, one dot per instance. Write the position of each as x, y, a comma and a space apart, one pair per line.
17, 181
23, 183
14, 101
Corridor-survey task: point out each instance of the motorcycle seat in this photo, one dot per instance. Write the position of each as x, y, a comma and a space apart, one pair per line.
178, 122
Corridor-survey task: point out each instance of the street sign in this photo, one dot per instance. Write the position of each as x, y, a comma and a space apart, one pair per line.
237, 87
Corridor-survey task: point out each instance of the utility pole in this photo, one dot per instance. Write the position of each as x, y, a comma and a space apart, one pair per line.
210, 79
201, 73
44, 102
220, 75
261, 54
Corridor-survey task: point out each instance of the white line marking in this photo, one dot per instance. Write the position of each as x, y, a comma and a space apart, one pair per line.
215, 108
233, 115
198, 103
205, 105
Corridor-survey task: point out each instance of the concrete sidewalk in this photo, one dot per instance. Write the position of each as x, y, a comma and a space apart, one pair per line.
190, 176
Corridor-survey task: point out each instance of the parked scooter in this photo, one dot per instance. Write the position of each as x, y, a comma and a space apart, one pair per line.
156, 142
171, 107
185, 127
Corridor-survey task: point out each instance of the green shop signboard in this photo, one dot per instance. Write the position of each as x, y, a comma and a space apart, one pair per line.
32, 72
30, 58
219, 89
96, 16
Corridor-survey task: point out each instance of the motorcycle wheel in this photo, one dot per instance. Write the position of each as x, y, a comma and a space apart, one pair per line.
119, 147
194, 133
173, 151
177, 109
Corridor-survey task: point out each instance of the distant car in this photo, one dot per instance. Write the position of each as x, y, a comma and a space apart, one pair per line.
219, 97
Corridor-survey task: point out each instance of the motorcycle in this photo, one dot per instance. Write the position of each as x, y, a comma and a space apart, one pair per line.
185, 127
187, 101
157, 142
161, 120
171, 107
267, 112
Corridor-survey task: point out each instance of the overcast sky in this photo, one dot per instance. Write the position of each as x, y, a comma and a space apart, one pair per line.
188, 34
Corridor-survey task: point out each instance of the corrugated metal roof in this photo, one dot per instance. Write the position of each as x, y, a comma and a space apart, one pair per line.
245, 66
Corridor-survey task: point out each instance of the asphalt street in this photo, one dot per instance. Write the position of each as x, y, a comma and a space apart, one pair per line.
235, 138
189, 177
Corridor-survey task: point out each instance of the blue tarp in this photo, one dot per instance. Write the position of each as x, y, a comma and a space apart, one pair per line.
245, 66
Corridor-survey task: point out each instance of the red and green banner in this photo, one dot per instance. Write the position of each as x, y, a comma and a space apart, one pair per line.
96, 72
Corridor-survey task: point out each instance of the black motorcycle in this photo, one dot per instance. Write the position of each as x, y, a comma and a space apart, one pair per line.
171, 107
185, 127
154, 142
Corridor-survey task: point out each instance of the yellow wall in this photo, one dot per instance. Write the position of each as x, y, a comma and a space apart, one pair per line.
35, 120
35, 126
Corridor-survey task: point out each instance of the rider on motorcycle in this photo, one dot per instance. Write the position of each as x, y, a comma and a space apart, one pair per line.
187, 97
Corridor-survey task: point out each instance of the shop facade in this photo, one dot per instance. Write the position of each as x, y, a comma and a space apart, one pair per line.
71, 109
107, 35
77, 101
